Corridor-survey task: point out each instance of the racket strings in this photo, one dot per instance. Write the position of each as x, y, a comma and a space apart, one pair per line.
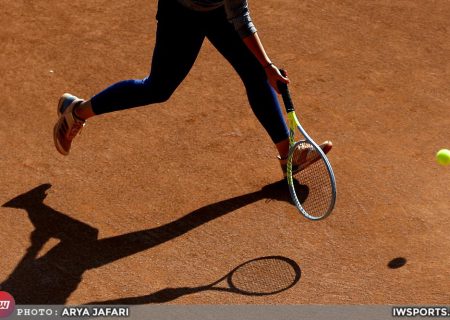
265, 276
317, 179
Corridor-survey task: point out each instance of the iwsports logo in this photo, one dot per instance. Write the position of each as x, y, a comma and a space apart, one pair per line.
7, 304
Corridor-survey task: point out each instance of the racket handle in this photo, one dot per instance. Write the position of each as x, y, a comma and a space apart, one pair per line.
285, 94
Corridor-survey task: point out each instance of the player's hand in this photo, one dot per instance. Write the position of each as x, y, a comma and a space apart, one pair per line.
274, 76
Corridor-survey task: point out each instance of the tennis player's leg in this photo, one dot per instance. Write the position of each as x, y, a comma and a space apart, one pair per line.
262, 97
179, 38
178, 42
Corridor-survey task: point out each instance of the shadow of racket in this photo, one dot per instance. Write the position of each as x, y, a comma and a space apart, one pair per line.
258, 277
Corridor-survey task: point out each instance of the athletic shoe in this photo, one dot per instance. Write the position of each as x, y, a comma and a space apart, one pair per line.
68, 125
65, 101
300, 160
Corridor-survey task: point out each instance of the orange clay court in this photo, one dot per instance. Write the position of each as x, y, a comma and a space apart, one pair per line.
177, 195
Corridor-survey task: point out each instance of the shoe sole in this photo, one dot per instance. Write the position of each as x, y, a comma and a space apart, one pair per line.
61, 101
63, 98
58, 146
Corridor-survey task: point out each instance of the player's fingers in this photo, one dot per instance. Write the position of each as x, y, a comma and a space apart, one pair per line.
275, 84
285, 80
283, 76
277, 80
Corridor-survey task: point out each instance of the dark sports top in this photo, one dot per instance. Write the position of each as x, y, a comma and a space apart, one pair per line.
236, 10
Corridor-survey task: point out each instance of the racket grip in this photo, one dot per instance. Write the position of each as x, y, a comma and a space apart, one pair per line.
285, 94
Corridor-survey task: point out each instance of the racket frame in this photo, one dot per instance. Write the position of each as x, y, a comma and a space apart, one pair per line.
294, 123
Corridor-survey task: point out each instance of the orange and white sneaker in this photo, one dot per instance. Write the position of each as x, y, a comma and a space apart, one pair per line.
304, 156
68, 125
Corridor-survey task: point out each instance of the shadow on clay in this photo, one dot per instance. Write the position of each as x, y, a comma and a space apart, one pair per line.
52, 277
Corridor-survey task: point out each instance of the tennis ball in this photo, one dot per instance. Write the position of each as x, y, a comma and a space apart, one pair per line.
443, 157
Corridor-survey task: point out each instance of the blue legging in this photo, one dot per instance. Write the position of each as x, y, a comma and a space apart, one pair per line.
179, 37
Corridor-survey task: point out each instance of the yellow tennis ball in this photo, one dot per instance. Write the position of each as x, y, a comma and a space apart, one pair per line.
443, 157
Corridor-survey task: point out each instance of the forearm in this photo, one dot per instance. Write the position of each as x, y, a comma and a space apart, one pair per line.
254, 44
274, 76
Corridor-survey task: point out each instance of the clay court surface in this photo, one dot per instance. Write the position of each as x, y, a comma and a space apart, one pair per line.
179, 194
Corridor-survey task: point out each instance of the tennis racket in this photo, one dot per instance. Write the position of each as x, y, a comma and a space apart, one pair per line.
307, 164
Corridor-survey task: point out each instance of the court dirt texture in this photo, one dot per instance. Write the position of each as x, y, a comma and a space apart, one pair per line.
156, 200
